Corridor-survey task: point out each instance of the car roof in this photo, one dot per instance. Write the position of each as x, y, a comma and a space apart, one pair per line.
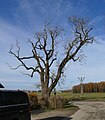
6, 90
1, 86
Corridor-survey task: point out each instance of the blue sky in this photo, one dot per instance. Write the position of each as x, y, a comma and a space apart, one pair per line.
19, 19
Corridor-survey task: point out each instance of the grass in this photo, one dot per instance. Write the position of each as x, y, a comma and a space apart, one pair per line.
85, 96
78, 96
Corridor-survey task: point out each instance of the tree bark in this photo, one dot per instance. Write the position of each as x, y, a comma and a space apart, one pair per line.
45, 97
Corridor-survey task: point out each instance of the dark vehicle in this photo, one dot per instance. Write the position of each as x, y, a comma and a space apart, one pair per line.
14, 105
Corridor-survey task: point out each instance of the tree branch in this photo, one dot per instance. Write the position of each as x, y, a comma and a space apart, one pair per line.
36, 55
18, 57
14, 68
52, 61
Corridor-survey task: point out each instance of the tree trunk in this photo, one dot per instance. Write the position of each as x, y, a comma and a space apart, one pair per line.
45, 97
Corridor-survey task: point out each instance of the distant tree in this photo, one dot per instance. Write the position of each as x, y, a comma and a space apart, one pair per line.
90, 87
44, 53
101, 86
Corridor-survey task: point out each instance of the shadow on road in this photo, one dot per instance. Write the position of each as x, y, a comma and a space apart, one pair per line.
37, 111
56, 118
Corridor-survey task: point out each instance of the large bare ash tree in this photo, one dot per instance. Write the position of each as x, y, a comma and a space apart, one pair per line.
45, 55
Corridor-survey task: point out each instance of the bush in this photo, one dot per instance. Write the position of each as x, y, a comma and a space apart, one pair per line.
44, 103
56, 102
33, 100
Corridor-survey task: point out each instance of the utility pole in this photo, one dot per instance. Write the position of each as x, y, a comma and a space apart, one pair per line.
81, 83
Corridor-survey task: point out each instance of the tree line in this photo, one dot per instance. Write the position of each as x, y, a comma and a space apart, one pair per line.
90, 87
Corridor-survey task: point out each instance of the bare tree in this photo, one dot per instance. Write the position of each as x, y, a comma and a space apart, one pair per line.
44, 53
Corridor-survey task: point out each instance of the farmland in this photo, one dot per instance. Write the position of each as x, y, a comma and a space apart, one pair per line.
98, 96
85, 96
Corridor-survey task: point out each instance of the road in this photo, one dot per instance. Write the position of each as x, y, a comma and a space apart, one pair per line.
88, 111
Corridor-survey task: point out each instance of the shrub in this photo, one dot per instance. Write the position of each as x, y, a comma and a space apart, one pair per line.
33, 100
56, 102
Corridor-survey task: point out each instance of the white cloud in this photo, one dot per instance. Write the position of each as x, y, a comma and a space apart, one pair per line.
96, 20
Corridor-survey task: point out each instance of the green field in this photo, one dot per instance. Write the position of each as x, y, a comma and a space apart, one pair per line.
78, 96
85, 96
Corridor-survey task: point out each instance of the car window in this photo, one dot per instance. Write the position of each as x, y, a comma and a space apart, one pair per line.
10, 98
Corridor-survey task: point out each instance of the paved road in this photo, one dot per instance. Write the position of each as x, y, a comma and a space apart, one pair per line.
90, 111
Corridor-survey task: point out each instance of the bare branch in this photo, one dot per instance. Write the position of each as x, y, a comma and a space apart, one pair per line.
43, 61
37, 58
18, 57
52, 61
18, 50
26, 74
14, 68
28, 57
75, 59
33, 71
